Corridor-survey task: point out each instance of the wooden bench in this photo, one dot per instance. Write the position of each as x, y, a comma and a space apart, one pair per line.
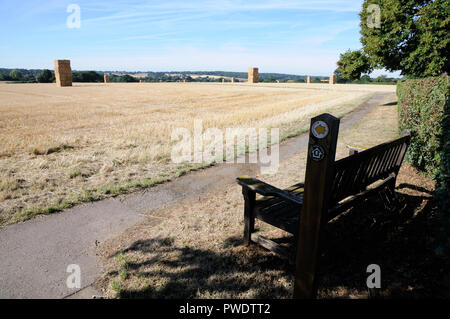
330, 188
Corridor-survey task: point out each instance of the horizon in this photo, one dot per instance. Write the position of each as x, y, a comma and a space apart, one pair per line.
286, 37
198, 72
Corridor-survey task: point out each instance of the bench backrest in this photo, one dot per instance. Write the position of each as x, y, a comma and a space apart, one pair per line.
354, 173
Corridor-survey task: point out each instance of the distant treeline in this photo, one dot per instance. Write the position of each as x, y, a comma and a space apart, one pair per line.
263, 77
27, 76
47, 76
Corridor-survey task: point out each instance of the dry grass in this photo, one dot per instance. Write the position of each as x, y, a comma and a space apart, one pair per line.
61, 146
194, 249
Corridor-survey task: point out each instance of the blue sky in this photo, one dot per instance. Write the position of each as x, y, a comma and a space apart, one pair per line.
283, 36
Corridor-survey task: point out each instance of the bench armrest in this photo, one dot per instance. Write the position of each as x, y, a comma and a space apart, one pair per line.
267, 190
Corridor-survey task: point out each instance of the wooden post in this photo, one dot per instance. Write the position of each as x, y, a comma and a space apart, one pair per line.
319, 177
308, 79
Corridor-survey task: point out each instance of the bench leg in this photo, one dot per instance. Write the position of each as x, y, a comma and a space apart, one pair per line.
391, 184
249, 218
392, 199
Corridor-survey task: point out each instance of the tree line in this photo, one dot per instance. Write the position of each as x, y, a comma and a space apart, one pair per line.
47, 76
27, 76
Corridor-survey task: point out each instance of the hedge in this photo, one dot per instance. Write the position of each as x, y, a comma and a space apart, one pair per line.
424, 108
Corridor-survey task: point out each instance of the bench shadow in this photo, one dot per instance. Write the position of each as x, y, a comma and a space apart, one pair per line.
213, 275
414, 188
399, 242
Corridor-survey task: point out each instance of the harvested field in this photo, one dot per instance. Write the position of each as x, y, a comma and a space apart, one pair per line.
63, 146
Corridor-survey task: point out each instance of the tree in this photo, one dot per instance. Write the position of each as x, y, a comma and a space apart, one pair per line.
352, 64
87, 76
16, 75
128, 78
382, 78
411, 37
366, 78
45, 76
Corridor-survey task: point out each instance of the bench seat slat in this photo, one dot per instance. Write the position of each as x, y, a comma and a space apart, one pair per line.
279, 212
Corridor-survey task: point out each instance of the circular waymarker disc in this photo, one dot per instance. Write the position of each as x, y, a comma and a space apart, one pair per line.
320, 129
317, 153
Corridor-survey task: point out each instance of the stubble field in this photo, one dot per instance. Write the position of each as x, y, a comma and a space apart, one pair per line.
63, 146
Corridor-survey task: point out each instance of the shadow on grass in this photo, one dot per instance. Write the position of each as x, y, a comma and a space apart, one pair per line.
192, 271
414, 188
399, 242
